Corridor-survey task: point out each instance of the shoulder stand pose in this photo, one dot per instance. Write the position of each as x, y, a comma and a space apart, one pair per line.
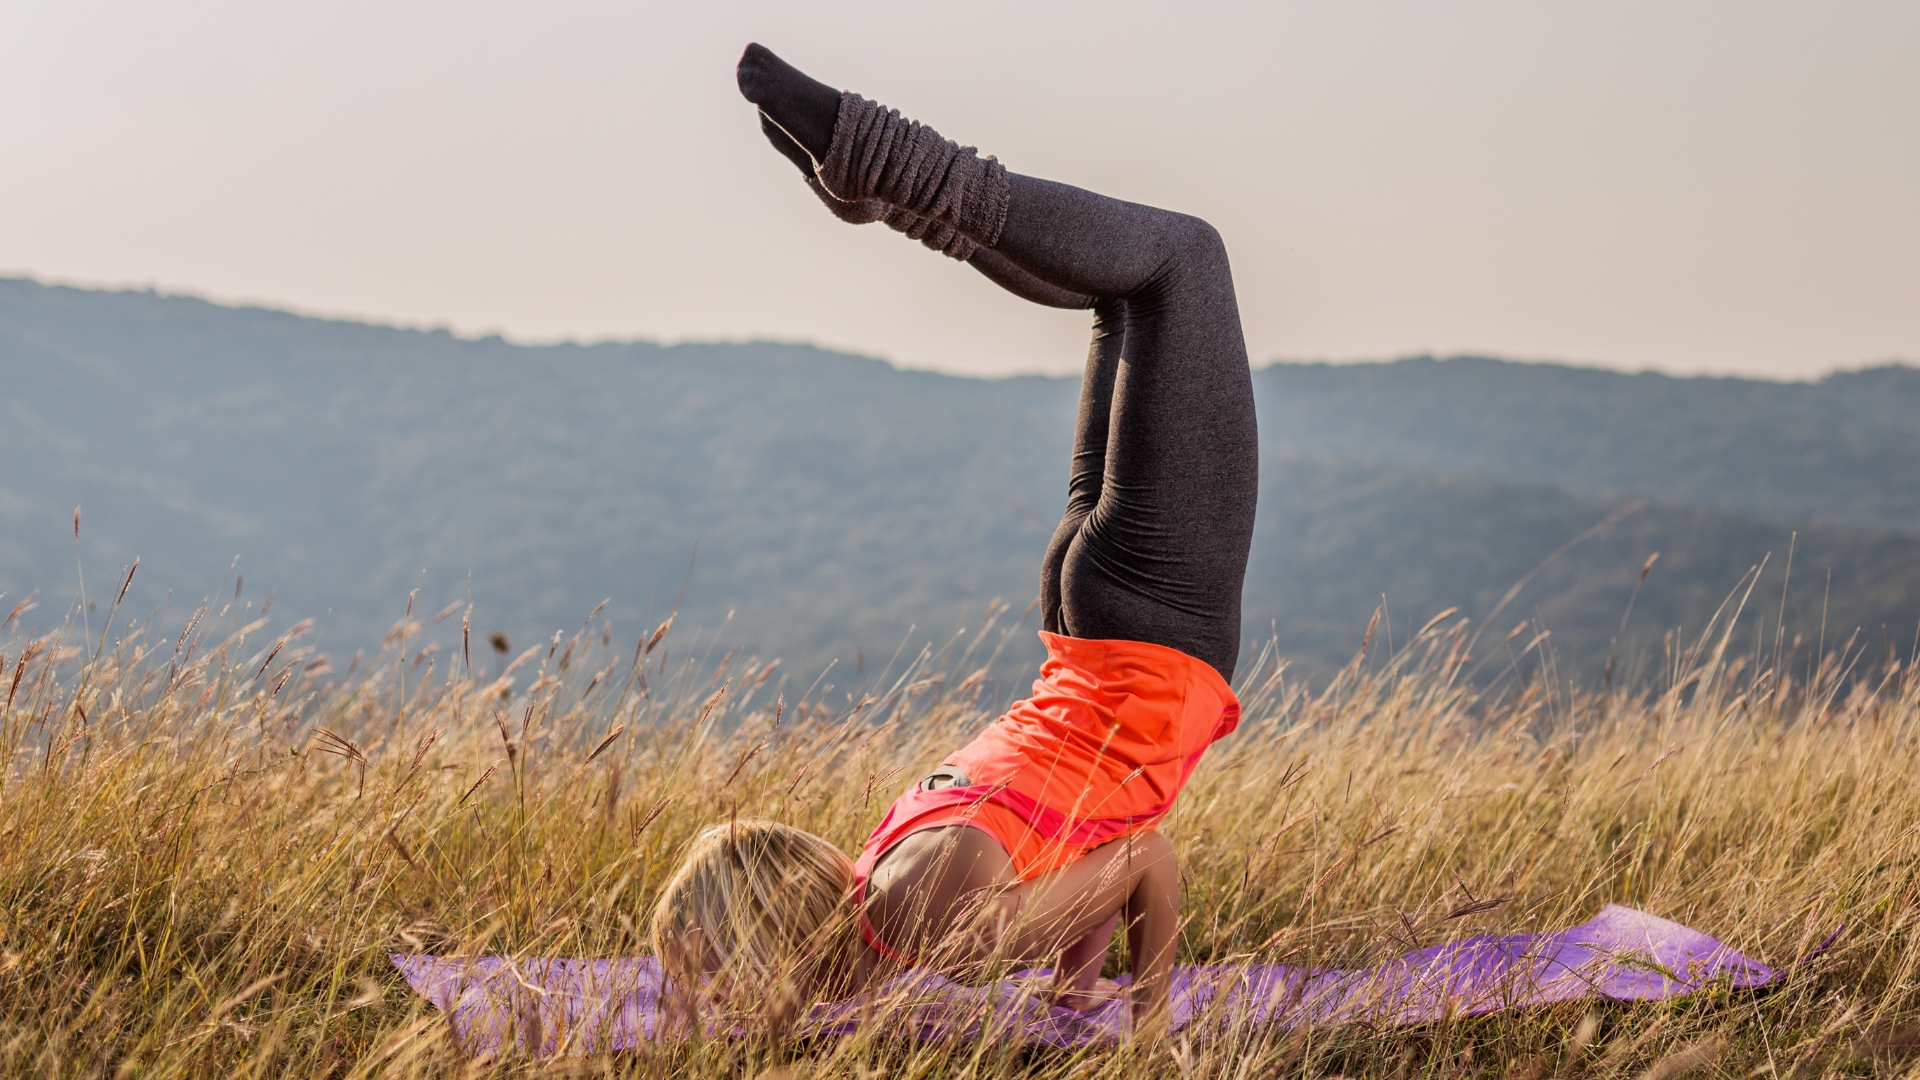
1032, 843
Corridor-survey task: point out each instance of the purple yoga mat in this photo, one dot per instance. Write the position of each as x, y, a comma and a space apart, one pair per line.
551, 1006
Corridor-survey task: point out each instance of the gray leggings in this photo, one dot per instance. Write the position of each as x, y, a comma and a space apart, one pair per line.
1153, 545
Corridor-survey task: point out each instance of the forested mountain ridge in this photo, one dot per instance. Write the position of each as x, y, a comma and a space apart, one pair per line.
1843, 450
836, 501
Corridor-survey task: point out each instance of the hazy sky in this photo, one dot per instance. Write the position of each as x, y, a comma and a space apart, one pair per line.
1726, 187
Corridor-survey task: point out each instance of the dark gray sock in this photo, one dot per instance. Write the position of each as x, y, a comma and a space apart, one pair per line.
802, 106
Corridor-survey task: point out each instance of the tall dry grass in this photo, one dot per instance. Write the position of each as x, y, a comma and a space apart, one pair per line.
209, 842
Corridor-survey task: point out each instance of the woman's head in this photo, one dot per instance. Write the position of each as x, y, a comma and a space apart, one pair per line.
758, 904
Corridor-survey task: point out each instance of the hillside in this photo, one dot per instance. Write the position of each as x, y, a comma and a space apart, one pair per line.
837, 501
1843, 450
1334, 537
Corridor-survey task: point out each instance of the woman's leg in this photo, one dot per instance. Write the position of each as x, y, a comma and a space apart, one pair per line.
1153, 546
1162, 553
1087, 473
992, 265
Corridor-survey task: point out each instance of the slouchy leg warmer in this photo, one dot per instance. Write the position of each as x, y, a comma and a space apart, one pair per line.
878, 154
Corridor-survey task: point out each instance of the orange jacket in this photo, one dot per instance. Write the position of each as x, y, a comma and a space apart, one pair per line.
1100, 750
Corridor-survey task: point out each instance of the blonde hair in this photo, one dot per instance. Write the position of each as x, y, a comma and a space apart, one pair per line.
753, 902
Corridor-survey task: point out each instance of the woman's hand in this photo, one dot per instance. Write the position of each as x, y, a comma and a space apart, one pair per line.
1085, 999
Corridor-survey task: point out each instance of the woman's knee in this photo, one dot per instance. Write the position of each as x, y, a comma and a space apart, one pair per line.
1194, 241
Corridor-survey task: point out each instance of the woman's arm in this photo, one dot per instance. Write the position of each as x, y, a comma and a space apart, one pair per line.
1076, 978
1053, 916
1153, 921
949, 897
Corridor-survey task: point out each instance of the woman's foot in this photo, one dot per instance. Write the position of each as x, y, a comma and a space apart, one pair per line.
878, 168
805, 108
784, 143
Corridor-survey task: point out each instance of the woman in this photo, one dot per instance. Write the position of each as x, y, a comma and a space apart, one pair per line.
1035, 841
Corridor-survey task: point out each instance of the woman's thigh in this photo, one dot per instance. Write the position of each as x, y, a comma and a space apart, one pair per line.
1162, 555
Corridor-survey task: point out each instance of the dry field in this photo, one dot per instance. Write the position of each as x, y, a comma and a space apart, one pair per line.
210, 840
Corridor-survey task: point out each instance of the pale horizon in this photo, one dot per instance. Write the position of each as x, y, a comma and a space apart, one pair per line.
1703, 188
1256, 361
